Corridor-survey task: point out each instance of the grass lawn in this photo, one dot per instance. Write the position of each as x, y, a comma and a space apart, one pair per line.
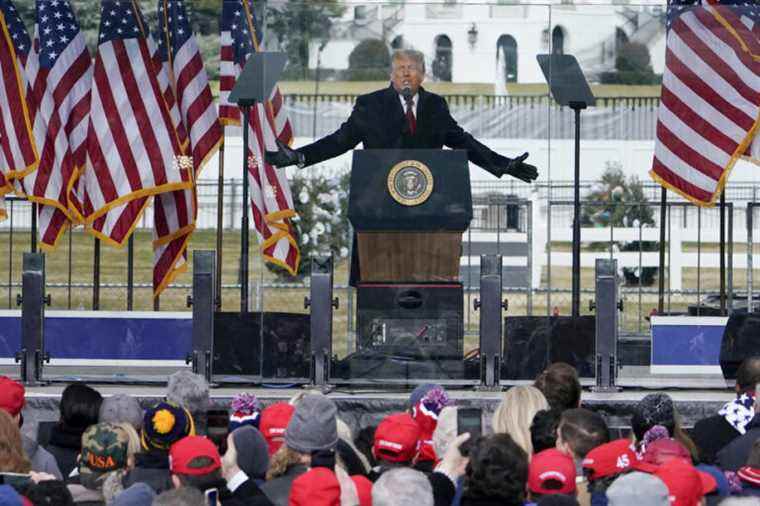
113, 293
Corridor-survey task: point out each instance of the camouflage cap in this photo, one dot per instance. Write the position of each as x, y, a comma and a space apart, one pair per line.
104, 449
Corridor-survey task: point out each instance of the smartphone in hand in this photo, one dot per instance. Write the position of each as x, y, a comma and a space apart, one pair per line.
212, 496
469, 420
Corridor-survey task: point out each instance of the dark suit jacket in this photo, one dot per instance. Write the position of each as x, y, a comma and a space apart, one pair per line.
379, 122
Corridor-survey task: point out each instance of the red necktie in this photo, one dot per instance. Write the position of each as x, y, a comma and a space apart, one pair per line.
410, 117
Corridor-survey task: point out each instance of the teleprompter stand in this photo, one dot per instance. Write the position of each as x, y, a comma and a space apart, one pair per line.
569, 88
255, 84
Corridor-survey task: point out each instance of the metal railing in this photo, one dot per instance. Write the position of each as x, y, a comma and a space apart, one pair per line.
529, 230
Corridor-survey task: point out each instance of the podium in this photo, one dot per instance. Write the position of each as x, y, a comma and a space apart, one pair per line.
409, 209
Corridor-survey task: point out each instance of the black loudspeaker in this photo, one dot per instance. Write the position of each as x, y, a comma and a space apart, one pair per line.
741, 339
531, 343
240, 337
411, 320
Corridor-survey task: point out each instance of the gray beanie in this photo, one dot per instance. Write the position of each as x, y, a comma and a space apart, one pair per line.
637, 488
138, 494
252, 451
313, 426
121, 408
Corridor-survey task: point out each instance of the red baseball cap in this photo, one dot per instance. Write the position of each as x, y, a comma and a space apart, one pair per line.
686, 485
749, 474
274, 421
11, 396
189, 448
396, 438
609, 459
551, 472
317, 487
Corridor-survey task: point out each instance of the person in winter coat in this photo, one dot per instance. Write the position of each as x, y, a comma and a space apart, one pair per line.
714, 433
12, 400
80, 407
163, 425
104, 452
244, 463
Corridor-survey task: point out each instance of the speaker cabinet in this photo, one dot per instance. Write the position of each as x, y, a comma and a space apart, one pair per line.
531, 343
741, 339
411, 320
239, 339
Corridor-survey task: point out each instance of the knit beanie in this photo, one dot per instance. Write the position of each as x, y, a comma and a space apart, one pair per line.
425, 413
653, 409
419, 392
164, 424
313, 426
138, 494
252, 451
122, 408
246, 410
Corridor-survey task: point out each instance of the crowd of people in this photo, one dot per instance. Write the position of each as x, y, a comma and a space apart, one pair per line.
540, 447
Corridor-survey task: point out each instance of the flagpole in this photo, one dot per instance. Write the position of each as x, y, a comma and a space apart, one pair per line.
661, 276
220, 223
722, 252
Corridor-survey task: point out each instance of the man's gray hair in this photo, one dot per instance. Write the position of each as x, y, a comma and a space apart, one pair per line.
191, 391
183, 496
409, 54
402, 487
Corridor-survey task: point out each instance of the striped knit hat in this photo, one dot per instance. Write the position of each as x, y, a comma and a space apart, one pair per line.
164, 424
246, 410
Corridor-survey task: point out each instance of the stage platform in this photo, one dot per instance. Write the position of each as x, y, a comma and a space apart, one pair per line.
362, 407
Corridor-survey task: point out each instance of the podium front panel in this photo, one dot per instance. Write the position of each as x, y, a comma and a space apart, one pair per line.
409, 256
378, 200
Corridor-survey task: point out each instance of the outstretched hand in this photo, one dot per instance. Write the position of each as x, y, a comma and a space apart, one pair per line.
521, 170
453, 463
284, 156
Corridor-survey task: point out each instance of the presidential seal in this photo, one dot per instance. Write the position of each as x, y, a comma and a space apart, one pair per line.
410, 182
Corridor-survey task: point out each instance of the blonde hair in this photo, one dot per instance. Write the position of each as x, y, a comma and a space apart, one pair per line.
283, 459
133, 442
515, 413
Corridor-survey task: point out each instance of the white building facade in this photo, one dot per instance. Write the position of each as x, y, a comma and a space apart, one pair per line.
498, 42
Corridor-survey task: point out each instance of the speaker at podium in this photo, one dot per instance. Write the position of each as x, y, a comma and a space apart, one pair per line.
409, 209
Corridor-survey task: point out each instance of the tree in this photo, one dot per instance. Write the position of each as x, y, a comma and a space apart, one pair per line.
633, 65
321, 226
623, 204
369, 61
296, 24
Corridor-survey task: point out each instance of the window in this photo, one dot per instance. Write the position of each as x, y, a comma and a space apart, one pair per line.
506, 58
442, 61
558, 40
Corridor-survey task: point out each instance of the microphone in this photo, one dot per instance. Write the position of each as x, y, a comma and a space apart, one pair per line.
406, 93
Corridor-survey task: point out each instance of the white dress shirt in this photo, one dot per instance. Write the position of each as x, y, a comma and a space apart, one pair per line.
414, 103
238, 479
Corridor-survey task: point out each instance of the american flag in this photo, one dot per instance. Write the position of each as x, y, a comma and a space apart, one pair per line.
175, 212
18, 153
59, 77
240, 36
710, 101
134, 148
271, 201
